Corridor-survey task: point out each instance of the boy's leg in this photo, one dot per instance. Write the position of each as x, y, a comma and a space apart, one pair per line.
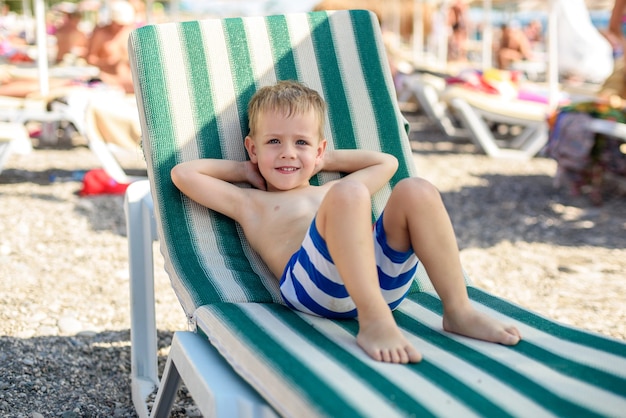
344, 221
415, 217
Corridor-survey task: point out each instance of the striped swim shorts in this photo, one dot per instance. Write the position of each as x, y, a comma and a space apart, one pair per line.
311, 283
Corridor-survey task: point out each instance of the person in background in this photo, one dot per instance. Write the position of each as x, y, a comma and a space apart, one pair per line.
614, 87
23, 87
534, 33
108, 49
458, 22
140, 11
616, 20
70, 38
513, 46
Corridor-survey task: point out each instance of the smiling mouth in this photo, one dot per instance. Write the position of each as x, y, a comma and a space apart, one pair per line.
287, 169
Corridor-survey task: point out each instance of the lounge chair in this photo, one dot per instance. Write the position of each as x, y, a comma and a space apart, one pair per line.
87, 109
37, 108
246, 354
111, 127
476, 110
463, 113
426, 89
13, 138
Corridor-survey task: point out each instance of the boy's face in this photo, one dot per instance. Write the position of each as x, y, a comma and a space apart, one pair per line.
287, 150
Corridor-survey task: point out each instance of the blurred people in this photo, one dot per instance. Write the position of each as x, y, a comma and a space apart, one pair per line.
7, 19
513, 46
458, 22
108, 49
71, 40
534, 33
140, 11
614, 87
11, 37
23, 87
616, 22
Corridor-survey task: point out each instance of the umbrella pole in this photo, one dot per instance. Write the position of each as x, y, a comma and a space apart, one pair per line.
418, 32
553, 59
42, 47
487, 55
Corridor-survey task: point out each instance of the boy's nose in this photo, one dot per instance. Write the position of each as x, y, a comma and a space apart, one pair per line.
288, 151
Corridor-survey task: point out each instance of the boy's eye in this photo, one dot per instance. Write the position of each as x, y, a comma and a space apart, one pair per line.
301, 142
273, 141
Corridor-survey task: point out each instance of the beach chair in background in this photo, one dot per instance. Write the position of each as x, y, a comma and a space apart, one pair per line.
478, 110
426, 89
17, 112
111, 128
13, 139
245, 353
102, 115
461, 112
24, 109
49, 109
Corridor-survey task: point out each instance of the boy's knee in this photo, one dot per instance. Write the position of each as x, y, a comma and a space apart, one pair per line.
417, 188
349, 192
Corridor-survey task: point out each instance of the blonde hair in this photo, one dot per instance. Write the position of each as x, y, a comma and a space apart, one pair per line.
288, 97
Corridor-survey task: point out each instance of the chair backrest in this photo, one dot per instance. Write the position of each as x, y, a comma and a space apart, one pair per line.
193, 81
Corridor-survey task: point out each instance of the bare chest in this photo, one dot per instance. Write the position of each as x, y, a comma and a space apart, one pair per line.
279, 229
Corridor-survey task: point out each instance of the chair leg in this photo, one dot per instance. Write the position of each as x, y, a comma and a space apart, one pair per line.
480, 133
216, 390
13, 139
170, 382
529, 143
141, 232
5, 151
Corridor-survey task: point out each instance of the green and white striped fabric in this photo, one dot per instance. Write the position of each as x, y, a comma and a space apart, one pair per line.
193, 81
307, 366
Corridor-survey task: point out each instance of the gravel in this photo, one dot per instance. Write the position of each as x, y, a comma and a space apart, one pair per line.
64, 311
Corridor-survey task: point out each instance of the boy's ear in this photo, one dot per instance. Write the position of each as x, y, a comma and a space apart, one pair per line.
321, 148
251, 148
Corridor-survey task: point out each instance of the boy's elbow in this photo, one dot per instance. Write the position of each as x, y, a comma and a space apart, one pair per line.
393, 163
178, 174
396, 163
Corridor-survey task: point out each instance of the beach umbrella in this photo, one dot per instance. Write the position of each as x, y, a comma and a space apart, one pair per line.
41, 42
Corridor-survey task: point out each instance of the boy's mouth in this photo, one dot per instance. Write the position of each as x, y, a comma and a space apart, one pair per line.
287, 169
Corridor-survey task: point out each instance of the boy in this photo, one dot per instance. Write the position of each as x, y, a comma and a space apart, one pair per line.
318, 239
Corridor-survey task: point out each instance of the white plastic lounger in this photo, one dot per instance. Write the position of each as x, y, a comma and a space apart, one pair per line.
607, 127
248, 355
476, 109
13, 138
427, 90
38, 109
111, 127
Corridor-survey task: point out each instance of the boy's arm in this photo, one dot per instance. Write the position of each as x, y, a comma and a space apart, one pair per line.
210, 183
374, 169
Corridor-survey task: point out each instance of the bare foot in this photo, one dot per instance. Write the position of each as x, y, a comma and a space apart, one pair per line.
382, 340
472, 323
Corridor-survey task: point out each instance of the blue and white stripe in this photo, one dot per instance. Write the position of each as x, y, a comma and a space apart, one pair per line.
312, 284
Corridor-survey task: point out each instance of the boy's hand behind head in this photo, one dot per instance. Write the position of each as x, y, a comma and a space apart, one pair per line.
254, 177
